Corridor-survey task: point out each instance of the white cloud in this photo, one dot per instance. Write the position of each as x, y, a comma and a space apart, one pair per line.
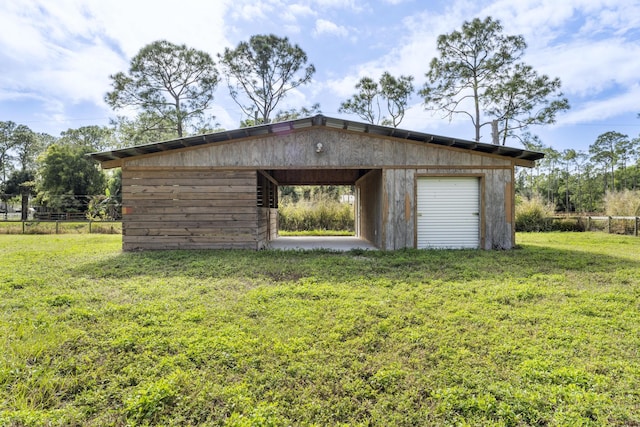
65, 65
603, 109
587, 68
337, 4
327, 27
32, 43
132, 25
343, 87
254, 11
300, 10
67, 49
60, 53
228, 119
620, 18
538, 20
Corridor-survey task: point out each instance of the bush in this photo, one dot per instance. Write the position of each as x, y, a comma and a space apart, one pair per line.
319, 214
568, 224
622, 203
533, 214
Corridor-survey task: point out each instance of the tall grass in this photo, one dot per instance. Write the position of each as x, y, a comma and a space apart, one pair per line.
320, 213
533, 214
622, 203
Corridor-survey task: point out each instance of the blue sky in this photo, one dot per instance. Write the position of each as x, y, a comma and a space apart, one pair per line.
56, 55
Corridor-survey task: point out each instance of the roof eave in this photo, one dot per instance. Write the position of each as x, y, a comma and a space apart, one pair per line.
114, 158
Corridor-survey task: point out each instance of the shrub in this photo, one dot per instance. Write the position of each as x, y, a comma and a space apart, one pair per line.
622, 203
568, 224
533, 214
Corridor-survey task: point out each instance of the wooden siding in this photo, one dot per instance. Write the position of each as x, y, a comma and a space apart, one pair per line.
398, 208
223, 195
298, 150
189, 209
369, 209
499, 214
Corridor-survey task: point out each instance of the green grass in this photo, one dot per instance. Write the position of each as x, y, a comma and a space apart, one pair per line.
547, 334
62, 227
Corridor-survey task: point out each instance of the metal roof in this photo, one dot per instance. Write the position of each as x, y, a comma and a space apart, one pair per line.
315, 121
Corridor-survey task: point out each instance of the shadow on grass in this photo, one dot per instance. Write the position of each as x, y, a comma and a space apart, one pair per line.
358, 265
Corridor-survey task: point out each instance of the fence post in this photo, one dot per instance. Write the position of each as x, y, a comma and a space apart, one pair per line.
609, 225
89, 226
635, 227
57, 223
588, 223
23, 226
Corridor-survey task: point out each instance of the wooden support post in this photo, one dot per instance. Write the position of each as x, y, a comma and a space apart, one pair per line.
57, 228
89, 226
608, 225
23, 223
635, 227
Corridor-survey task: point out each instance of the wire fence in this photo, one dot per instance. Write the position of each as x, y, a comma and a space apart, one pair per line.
60, 227
70, 214
61, 208
628, 225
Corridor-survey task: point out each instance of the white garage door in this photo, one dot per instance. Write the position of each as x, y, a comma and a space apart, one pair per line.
448, 212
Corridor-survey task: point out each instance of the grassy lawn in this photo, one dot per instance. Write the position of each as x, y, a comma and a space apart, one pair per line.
547, 334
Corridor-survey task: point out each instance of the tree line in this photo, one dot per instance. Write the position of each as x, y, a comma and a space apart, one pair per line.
168, 92
577, 181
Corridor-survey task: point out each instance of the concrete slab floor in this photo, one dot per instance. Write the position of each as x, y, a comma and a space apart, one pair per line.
333, 243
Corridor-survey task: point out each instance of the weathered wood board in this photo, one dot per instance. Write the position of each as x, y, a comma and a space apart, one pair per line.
183, 208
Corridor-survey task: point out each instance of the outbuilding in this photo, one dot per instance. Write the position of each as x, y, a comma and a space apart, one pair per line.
412, 189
